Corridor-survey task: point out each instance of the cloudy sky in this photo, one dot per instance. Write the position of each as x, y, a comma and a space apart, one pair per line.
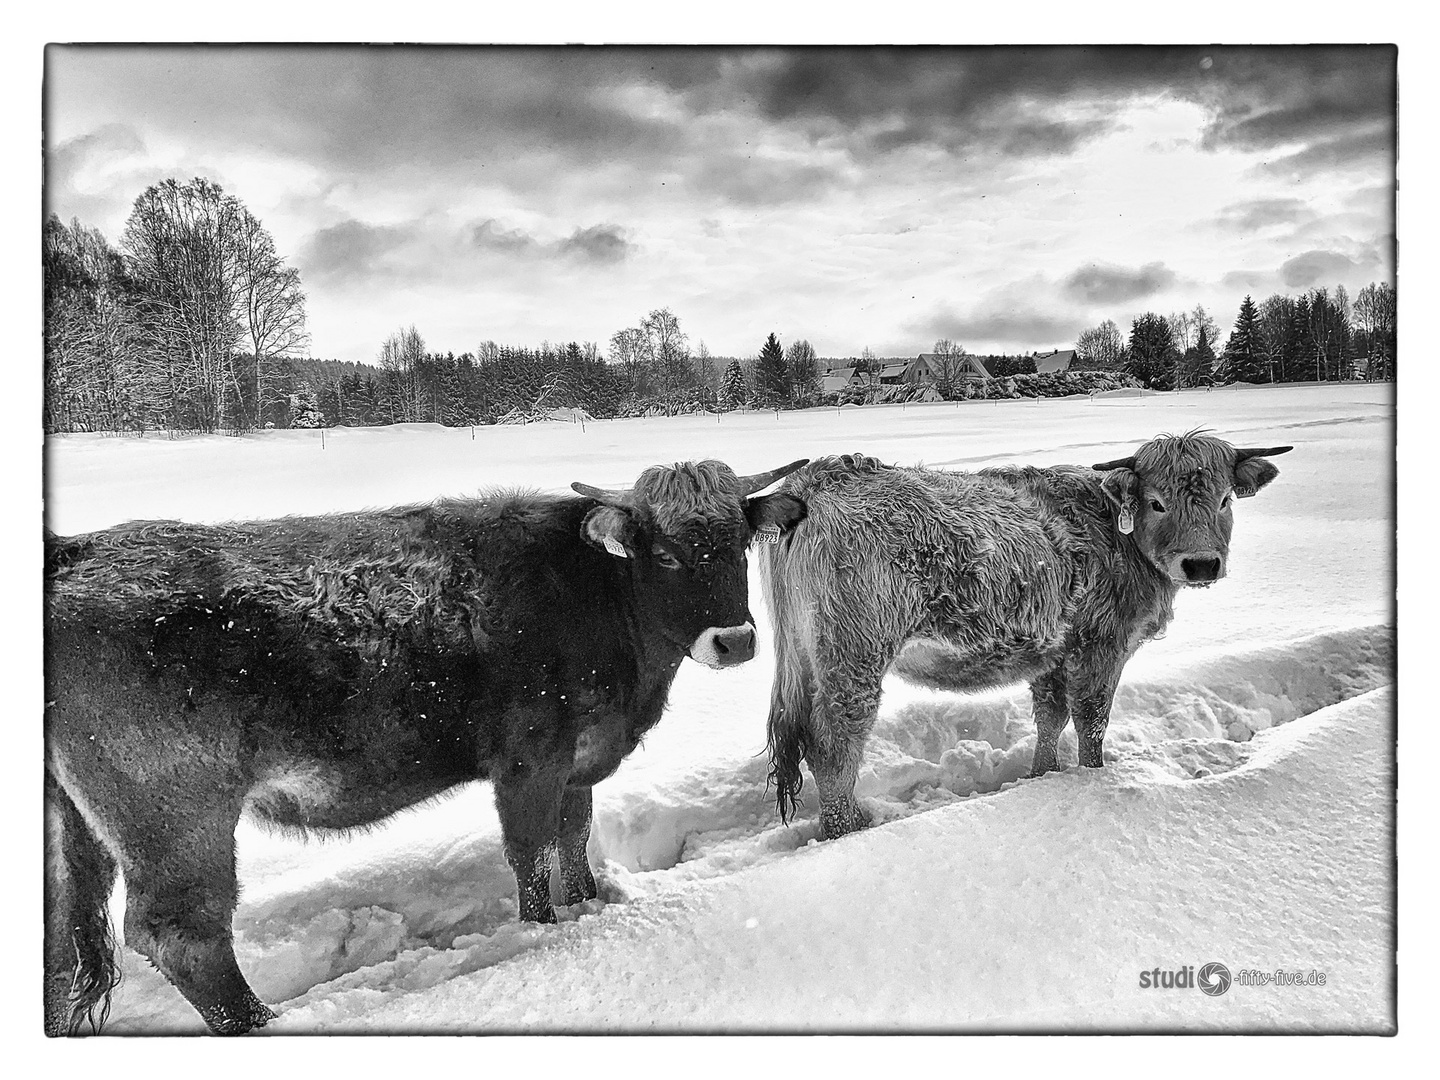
1004, 198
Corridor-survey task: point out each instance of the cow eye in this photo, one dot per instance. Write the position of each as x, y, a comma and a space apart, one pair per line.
1229, 497
1157, 506
665, 559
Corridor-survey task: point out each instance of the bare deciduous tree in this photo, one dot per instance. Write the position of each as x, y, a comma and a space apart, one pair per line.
951, 362
209, 279
1101, 346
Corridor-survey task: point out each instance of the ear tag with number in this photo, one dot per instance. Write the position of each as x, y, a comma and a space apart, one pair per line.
1126, 524
768, 534
1242, 492
614, 547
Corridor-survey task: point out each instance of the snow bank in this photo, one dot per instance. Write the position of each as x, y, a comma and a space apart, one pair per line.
1011, 912
431, 898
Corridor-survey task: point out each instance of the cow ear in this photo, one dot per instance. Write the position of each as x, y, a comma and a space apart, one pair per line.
1119, 486
610, 528
1251, 475
774, 515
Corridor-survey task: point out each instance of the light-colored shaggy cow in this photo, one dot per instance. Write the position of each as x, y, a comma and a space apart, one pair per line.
963, 581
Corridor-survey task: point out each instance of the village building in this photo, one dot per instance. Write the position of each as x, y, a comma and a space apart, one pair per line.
1052, 363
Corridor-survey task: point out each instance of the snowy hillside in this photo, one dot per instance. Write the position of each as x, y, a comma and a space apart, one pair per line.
1244, 817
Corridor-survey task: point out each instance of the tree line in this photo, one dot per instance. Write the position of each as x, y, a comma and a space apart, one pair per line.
1319, 336
186, 327
196, 323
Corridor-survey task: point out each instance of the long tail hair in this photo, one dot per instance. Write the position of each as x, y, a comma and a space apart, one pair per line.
788, 727
78, 893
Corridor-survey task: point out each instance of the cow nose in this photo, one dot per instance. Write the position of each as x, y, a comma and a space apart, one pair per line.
1200, 568
734, 645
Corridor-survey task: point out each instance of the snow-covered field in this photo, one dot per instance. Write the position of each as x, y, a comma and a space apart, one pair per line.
1245, 815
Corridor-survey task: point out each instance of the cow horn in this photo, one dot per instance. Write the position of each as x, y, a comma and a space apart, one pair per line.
1242, 455
609, 498
749, 485
1118, 463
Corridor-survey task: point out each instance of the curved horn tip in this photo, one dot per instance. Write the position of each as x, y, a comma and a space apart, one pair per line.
611, 498
1244, 453
1118, 463
756, 482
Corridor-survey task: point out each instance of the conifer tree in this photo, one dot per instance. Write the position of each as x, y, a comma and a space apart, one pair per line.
772, 377
1244, 360
732, 387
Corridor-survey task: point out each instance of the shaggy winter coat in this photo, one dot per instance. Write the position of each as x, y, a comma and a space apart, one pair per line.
963, 581
325, 672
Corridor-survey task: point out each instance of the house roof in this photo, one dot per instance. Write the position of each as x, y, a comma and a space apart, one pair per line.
971, 366
1051, 362
839, 373
890, 371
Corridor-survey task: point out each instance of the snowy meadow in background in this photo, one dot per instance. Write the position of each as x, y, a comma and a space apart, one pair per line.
1245, 815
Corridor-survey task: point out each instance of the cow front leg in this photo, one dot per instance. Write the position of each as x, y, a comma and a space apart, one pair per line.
577, 883
528, 802
1092, 690
1052, 713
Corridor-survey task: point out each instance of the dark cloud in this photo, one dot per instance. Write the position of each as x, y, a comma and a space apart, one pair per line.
490, 235
362, 108
1318, 268
595, 243
352, 249
1024, 100
1096, 284
533, 115
103, 144
598, 243
1248, 217
1367, 146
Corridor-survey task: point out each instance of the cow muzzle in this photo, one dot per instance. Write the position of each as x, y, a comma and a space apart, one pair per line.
1197, 568
724, 646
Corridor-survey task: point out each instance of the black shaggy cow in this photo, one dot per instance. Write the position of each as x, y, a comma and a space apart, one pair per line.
962, 581
325, 672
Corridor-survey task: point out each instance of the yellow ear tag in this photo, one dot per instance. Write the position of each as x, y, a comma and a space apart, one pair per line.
614, 547
768, 534
1126, 524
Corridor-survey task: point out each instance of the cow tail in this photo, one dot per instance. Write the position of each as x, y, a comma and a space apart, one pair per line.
788, 728
82, 970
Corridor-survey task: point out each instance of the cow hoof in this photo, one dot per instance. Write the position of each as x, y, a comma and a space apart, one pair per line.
250, 1014
835, 825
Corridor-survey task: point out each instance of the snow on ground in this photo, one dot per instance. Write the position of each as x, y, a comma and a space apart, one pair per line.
1245, 814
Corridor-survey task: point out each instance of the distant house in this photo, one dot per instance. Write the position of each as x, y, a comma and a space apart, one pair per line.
892, 374
836, 379
924, 367
1054, 362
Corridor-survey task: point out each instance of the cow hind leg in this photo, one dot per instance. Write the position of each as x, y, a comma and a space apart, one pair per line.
577, 883
840, 724
181, 893
80, 964
1052, 714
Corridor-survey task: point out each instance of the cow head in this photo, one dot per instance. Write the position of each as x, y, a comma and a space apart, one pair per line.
1174, 496
683, 531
